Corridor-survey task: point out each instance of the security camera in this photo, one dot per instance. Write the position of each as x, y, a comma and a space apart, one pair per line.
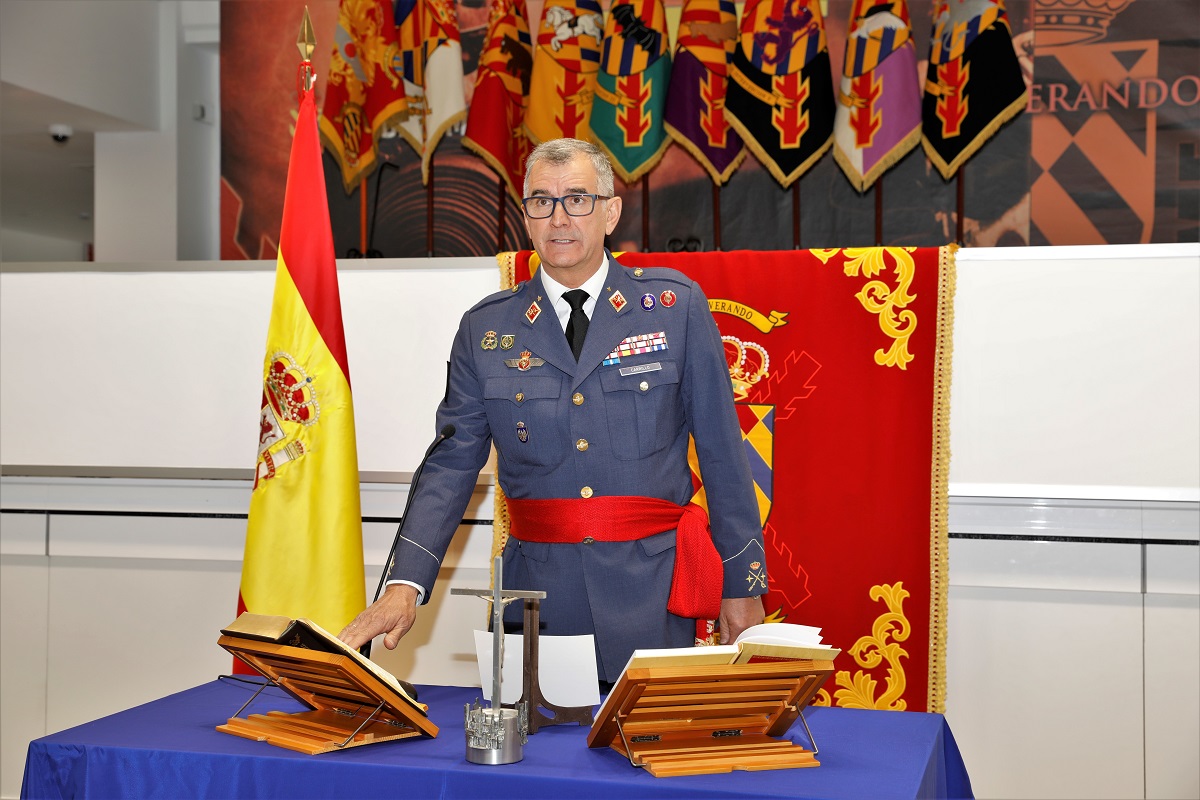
61, 134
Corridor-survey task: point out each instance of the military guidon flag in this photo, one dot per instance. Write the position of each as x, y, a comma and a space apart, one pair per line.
566, 58
362, 96
781, 91
879, 101
429, 57
631, 88
974, 83
495, 121
695, 113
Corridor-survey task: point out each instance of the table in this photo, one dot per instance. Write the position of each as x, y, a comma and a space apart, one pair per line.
169, 748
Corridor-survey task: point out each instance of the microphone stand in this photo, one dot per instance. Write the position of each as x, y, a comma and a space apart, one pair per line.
445, 433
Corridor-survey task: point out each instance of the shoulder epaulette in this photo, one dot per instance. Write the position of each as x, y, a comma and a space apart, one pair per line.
496, 297
659, 274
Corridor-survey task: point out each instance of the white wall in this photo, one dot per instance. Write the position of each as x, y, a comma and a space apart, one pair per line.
199, 139
137, 190
24, 246
103, 55
1073, 377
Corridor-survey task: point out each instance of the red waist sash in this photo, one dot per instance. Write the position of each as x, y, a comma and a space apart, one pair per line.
696, 582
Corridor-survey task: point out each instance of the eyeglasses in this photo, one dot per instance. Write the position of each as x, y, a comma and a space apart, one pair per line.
576, 205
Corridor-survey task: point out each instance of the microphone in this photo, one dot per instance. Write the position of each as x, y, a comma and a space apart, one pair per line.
445, 433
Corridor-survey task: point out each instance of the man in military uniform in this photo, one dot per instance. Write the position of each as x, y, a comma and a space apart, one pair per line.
591, 432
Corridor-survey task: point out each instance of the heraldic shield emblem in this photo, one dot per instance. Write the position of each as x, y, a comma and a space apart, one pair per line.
748, 364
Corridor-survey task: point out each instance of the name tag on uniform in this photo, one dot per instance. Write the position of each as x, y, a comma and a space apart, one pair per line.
652, 367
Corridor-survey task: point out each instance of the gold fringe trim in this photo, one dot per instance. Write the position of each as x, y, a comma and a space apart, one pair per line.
646, 166
785, 179
865, 181
717, 176
431, 142
948, 170
939, 561
507, 262
496, 166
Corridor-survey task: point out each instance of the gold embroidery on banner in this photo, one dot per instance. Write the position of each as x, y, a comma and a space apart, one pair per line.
858, 690
889, 303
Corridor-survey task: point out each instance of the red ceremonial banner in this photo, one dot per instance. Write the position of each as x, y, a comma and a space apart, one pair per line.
840, 364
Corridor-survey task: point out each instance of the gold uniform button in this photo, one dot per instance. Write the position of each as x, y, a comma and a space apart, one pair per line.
644, 386
581, 445
585, 492
637, 272
588, 540
577, 399
520, 396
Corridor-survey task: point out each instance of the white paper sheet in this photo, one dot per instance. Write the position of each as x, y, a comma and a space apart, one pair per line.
566, 668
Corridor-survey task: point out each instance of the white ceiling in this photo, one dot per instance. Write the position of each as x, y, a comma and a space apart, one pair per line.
47, 188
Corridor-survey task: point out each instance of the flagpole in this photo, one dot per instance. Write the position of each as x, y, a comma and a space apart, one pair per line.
500, 198
646, 213
716, 215
429, 213
362, 216
796, 215
879, 212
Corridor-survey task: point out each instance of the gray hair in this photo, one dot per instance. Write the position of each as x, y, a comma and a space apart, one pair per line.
563, 151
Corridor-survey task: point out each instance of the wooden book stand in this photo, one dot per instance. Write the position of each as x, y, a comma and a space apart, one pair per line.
695, 720
351, 704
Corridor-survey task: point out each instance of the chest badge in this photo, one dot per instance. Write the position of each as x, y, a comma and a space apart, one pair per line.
648, 302
489, 341
525, 361
522, 432
507, 341
533, 312
617, 301
667, 298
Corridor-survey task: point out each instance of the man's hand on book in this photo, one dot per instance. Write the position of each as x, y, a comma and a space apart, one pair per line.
737, 614
393, 613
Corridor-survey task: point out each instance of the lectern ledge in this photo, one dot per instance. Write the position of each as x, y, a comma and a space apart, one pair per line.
352, 700
697, 719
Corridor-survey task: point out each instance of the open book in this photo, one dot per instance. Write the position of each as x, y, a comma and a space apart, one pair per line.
771, 641
309, 635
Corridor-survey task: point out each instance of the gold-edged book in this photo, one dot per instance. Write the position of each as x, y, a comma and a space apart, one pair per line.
353, 700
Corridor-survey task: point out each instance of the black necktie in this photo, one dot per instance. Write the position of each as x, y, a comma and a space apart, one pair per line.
577, 325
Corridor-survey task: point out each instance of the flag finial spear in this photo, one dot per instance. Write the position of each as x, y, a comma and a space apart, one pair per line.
306, 42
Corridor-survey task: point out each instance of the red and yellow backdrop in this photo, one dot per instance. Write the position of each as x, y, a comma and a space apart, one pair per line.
841, 376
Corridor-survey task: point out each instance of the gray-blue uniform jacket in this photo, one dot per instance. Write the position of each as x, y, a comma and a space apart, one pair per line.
602, 426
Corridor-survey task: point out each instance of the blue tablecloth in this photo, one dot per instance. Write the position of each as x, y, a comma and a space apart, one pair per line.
170, 749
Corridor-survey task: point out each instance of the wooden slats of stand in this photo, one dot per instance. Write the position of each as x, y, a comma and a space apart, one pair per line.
710, 719
342, 694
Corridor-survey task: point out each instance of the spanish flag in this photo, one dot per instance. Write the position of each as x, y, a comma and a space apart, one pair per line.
304, 554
